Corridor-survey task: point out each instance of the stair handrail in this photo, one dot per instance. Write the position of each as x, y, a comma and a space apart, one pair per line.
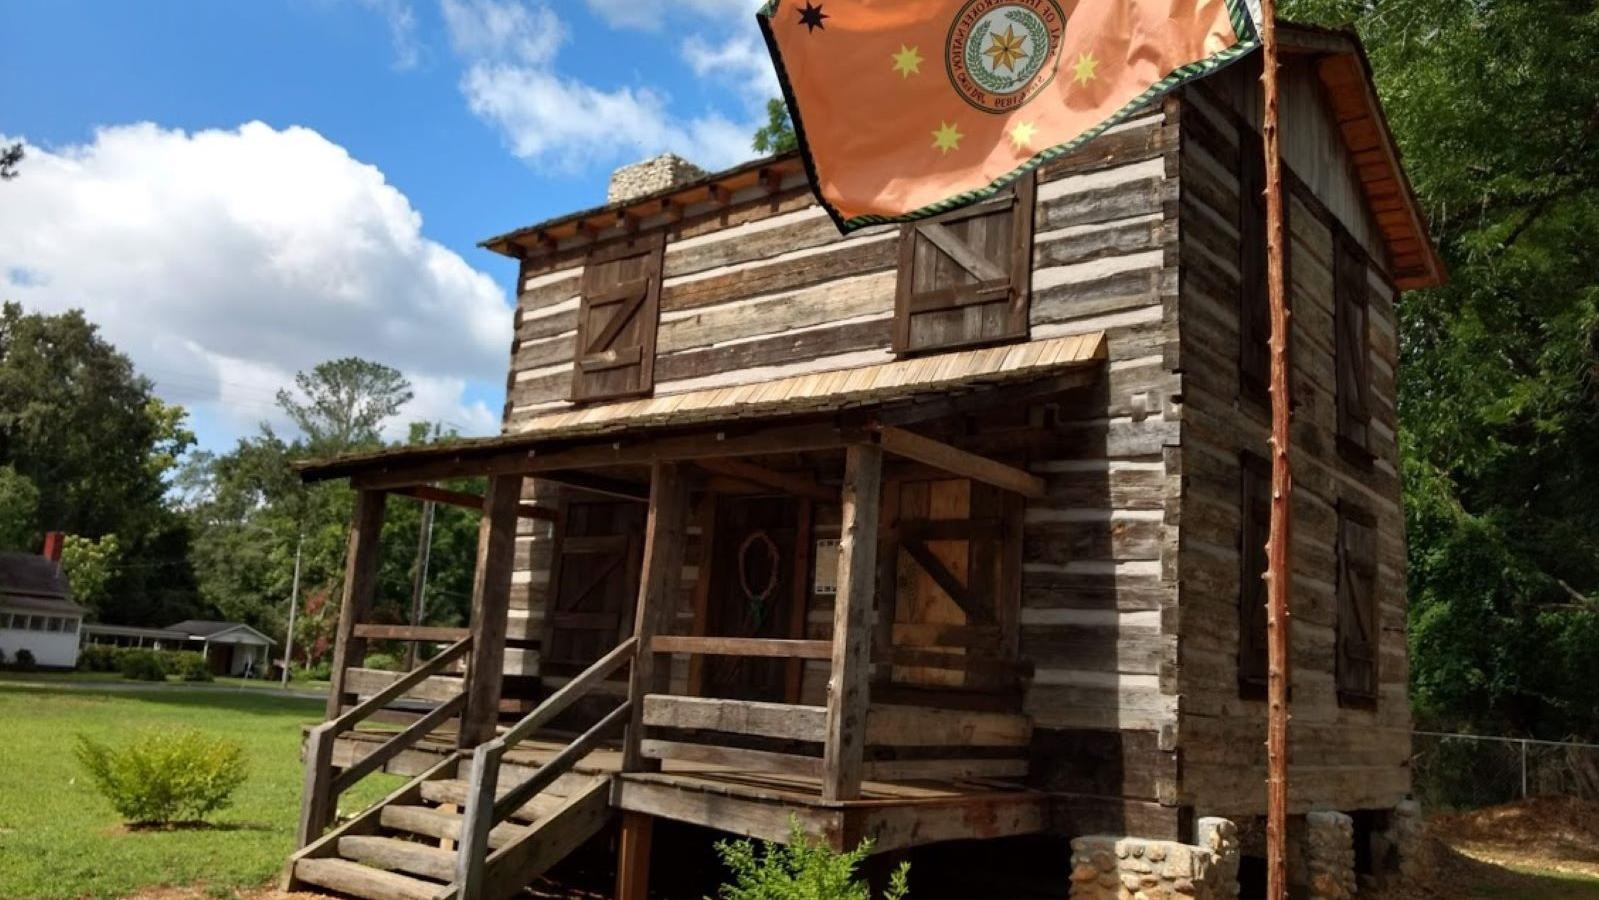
322, 787
484, 810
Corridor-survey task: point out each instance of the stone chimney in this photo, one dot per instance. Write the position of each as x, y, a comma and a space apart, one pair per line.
665, 171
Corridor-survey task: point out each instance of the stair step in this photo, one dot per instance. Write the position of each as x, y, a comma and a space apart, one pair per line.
363, 881
454, 790
399, 856
436, 823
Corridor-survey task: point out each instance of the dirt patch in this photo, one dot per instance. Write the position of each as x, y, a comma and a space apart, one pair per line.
1478, 853
200, 893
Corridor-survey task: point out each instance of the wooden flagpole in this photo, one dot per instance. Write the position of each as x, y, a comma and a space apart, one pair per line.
1277, 555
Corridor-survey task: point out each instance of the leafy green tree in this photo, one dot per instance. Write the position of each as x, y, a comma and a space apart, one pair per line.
90, 565
1496, 107
19, 511
340, 405
777, 135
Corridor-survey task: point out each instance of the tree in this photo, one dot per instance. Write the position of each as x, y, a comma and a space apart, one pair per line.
9, 158
339, 405
19, 511
89, 566
1496, 107
777, 135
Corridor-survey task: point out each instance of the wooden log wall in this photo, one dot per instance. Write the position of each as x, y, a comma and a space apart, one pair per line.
1340, 758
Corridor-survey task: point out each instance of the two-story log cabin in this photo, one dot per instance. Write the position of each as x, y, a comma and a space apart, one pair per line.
944, 532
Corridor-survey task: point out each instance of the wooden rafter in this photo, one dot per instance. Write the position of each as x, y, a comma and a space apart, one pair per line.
599, 484
467, 500
956, 461
789, 483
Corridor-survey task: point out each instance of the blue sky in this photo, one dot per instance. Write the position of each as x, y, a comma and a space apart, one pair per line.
236, 191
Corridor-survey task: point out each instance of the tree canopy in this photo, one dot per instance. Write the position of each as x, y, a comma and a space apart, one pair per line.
777, 135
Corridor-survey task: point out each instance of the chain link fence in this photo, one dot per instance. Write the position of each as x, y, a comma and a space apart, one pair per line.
1463, 771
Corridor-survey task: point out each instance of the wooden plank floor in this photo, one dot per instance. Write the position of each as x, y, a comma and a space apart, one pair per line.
893, 815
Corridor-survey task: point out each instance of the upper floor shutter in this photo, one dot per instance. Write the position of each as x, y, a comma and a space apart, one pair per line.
617, 319
1357, 631
1256, 526
965, 277
1351, 320
1254, 310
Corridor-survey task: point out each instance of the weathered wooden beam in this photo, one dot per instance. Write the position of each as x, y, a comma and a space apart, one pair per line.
633, 856
787, 482
491, 601
432, 633
664, 534
780, 648
752, 717
733, 757
467, 500
848, 692
599, 484
956, 461
360, 587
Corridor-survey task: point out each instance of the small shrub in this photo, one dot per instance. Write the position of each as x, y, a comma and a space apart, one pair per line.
388, 662
2, 658
800, 871
99, 658
179, 662
321, 671
163, 777
194, 668
143, 665
25, 661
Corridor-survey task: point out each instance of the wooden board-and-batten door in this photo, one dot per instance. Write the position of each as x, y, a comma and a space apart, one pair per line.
965, 277
594, 575
617, 321
754, 585
950, 570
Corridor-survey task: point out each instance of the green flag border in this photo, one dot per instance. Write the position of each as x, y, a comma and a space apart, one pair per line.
1243, 26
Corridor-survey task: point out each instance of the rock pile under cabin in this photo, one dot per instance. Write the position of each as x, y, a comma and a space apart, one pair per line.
946, 535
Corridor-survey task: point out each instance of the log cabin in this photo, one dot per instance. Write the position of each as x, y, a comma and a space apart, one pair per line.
943, 534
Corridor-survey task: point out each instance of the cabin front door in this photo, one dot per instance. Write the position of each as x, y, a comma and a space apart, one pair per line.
752, 592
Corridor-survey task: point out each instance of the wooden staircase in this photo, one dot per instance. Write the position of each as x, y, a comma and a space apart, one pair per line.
472, 827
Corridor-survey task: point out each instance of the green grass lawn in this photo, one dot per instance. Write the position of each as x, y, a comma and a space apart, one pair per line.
60, 839
79, 677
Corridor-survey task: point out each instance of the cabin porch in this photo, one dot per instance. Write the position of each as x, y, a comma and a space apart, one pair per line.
918, 736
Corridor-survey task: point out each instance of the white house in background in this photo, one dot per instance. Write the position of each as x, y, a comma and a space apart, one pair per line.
36, 609
230, 648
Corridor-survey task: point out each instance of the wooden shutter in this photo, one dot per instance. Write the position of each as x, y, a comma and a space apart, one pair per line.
1353, 346
1256, 525
1254, 311
1358, 631
593, 582
951, 580
616, 323
965, 277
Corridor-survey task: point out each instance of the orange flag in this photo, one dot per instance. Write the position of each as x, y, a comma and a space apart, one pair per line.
908, 108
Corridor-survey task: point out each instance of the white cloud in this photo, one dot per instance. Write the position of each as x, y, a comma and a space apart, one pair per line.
402, 30
650, 14
558, 122
224, 261
742, 59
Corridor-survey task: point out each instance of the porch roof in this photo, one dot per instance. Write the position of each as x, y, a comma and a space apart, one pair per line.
900, 381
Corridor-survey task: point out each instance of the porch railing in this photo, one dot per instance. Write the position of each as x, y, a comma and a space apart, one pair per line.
487, 806
323, 784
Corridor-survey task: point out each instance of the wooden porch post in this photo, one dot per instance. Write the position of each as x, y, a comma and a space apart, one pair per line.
663, 566
491, 599
847, 687
633, 856
360, 586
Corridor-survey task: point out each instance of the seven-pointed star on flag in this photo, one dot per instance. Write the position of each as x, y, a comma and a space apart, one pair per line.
811, 16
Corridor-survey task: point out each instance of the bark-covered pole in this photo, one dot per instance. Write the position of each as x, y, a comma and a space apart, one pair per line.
1278, 540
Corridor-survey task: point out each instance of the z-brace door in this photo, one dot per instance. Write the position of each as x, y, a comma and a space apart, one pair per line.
593, 583
949, 578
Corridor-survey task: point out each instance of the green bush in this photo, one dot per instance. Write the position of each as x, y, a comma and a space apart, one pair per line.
194, 668
180, 662
142, 665
800, 871
25, 661
388, 662
163, 777
2, 657
99, 658
321, 671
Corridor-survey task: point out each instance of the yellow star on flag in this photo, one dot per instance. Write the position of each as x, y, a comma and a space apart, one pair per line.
1021, 137
907, 61
947, 138
1083, 72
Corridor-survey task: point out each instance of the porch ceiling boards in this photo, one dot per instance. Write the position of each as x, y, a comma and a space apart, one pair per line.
902, 382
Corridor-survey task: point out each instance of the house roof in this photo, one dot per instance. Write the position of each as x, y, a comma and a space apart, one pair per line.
29, 581
906, 380
1344, 70
232, 632
160, 634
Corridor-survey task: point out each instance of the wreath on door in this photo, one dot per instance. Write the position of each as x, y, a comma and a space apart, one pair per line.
757, 549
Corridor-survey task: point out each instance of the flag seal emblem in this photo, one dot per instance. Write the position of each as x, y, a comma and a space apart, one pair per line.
1001, 53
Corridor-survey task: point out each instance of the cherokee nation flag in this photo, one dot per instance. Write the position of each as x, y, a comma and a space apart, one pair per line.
908, 108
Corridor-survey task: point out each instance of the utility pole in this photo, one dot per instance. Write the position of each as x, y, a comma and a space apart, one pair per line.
419, 582
1282, 483
294, 607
